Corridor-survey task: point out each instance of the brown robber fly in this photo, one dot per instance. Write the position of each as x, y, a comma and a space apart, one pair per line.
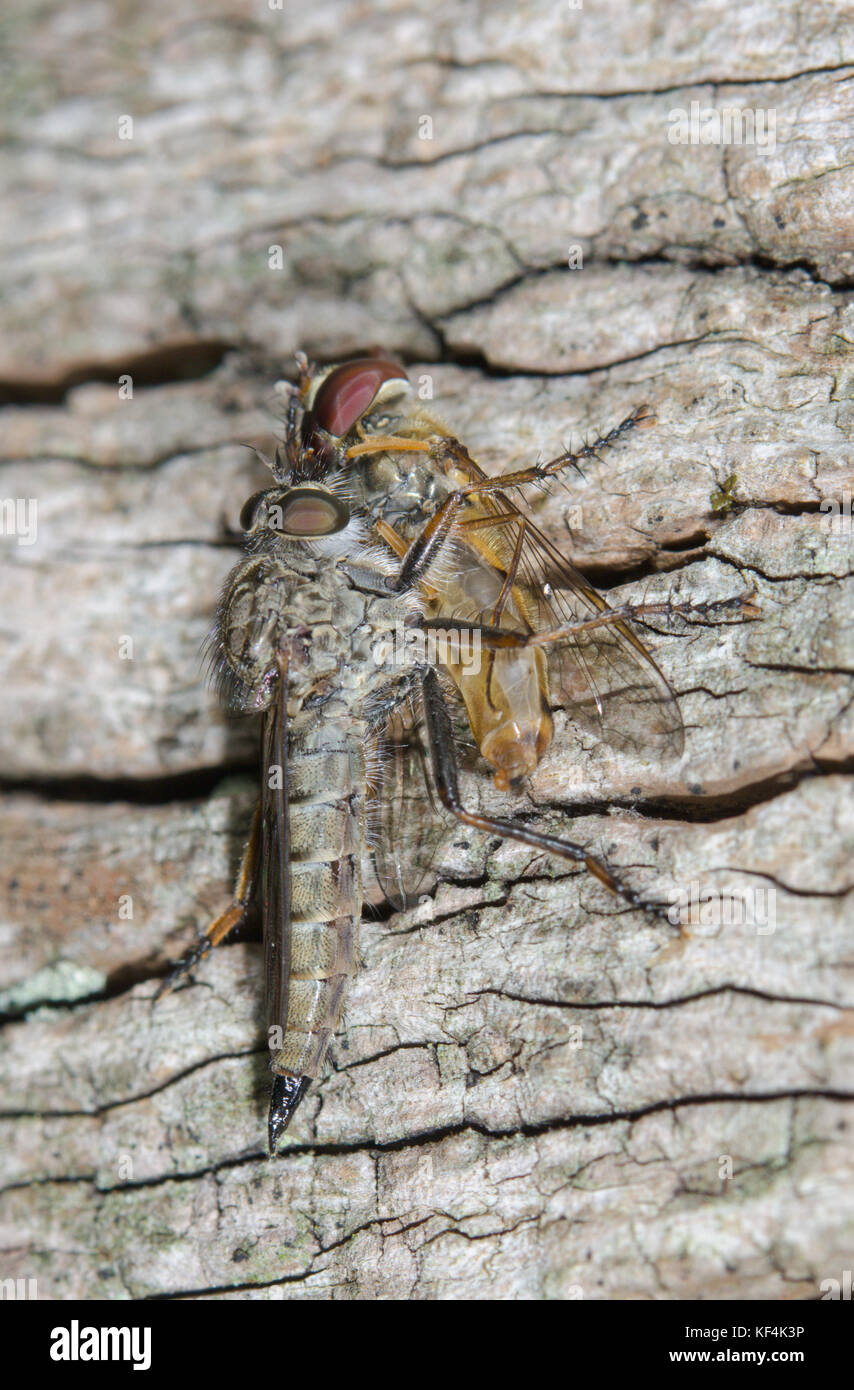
379, 524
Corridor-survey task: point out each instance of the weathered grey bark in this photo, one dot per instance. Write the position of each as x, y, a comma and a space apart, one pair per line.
539, 1093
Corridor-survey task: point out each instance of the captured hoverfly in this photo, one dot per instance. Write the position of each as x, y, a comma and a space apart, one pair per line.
378, 520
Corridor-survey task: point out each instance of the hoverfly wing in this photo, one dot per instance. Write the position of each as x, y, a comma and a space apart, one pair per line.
275, 859
607, 679
605, 676
408, 822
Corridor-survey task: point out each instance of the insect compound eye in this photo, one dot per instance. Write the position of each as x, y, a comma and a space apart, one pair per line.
306, 512
249, 510
351, 389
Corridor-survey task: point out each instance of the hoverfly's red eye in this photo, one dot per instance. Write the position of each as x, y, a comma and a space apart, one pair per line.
350, 390
307, 512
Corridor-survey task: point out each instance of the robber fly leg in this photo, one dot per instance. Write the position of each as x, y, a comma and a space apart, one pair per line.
744, 605
500, 639
449, 451
440, 739
641, 418
223, 925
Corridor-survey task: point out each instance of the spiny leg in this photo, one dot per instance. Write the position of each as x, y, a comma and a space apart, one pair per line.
223, 925
399, 547
440, 739
448, 450
428, 544
498, 638
641, 418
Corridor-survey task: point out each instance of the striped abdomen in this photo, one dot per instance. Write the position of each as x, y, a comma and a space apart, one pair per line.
326, 843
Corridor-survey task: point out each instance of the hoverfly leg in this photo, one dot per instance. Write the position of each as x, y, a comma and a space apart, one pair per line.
223, 925
388, 534
440, 739
383, 443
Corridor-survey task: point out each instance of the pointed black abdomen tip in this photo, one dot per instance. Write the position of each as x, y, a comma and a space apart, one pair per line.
286, 1095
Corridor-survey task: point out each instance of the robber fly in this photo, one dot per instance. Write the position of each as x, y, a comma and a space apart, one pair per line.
378, 519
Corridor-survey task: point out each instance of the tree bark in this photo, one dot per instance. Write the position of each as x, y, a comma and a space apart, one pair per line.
538, 1093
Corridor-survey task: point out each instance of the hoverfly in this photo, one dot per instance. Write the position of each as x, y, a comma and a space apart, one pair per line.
377, 519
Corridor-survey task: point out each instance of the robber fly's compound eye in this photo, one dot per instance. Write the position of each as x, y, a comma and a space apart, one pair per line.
249, 510
350, 390
307, 511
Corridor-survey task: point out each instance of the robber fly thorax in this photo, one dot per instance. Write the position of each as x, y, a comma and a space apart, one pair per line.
506, 694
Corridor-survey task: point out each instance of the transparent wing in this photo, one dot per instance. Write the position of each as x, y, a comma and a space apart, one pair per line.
607, 679
408, 821
606, 676
275, 859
